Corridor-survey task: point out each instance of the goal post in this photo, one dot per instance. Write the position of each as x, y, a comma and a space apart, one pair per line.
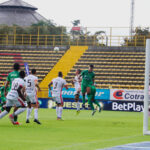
146, 89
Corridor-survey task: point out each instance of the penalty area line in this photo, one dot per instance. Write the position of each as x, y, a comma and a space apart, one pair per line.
92, 142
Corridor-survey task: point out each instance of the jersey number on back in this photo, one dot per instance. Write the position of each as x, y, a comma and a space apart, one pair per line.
55, 86
15, 86
29, 83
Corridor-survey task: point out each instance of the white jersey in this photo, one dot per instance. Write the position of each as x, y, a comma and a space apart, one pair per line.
30, 84
77, 82
13, 94
58, 84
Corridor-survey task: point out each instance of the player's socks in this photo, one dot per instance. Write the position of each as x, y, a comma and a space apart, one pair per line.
28, 113
11, 117
60, 112
97, 103
2, 109
19, 111
4, 113
31, 111
83, 99
36, 113
78, 106
15, 118
90, 101
57, 111
36, 116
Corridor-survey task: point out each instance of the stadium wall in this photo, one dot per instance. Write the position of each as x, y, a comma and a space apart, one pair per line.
27, 47
113, 48
109, 99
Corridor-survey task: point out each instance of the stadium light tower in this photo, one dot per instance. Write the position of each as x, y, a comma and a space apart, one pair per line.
132, 17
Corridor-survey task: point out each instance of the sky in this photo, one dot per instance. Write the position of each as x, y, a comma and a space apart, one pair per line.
93, 13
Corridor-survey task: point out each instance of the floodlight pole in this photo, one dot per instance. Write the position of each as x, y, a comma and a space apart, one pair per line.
146, 88
132, 18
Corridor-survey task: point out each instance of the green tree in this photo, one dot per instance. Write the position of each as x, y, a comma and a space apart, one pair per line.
139, 38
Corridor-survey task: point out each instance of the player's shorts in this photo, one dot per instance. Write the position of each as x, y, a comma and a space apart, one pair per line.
93, 89
84, 86
58, 99
32, 99
17, 103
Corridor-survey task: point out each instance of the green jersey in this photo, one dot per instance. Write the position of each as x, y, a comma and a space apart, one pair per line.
87, 77
12, 76
2, 89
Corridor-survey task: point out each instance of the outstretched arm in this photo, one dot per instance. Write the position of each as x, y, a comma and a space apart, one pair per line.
50, 85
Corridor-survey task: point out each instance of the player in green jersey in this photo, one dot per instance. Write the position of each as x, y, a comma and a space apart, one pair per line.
3, 99
87, 86
87, 79
11, 76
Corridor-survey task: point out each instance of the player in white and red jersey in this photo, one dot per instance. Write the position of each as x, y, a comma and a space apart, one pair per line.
58, 84
31, 91
15, 97
77, 84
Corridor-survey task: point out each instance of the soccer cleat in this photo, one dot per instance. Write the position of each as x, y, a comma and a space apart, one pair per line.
60, 119
37, 121
94, 111
27, 121
11, 117
16, 123
77, 112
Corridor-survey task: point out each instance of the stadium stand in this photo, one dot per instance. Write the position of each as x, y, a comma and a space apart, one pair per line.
115, 67
65, 64
42, 60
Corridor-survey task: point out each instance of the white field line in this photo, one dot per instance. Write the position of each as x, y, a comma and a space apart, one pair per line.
97, 141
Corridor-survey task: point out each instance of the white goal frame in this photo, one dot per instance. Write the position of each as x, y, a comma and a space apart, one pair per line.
146, 88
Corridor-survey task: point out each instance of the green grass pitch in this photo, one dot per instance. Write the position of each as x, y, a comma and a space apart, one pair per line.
82, 132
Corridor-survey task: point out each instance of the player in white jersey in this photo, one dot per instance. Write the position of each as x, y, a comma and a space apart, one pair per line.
15, 97
58, 84
31, 91
77, 84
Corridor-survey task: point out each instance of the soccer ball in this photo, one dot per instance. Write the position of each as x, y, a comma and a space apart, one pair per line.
56, 49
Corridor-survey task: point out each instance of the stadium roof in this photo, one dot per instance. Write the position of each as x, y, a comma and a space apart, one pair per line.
17, 3
18, 12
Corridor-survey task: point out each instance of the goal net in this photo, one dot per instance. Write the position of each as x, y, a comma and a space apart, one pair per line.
146, 130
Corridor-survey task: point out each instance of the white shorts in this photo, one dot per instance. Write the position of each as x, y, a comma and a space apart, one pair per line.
58, 99
17, 103
33, 99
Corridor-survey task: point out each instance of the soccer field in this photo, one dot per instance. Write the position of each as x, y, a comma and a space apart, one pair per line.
82, 132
